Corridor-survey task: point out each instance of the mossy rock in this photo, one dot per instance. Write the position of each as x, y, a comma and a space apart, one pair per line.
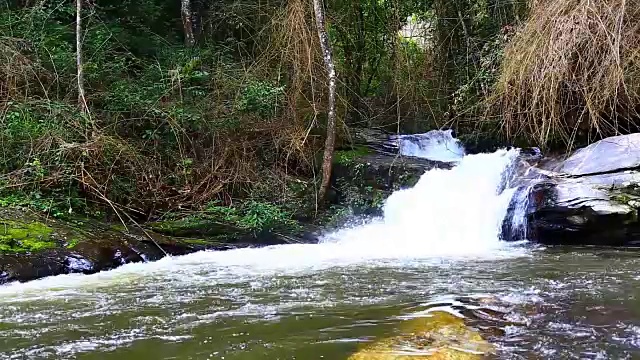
25, 236
23, 231
33, 246
192, 228
363, 180
440, 336
348, 157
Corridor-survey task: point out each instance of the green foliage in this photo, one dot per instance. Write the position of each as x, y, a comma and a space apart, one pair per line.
216, 219
72, 243
261, 98
255, 216
19, 237
337, 216
347, 157
174, 127
361, 199
54, 203
486, 74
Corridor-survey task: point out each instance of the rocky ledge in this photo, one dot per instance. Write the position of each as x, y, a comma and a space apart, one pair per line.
33, 246
367, 173
590, 198
361, 183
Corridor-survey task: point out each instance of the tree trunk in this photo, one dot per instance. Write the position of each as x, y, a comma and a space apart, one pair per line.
82, 101
329, 144
187, 23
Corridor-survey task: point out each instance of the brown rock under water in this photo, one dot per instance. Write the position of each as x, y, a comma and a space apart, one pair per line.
440, 336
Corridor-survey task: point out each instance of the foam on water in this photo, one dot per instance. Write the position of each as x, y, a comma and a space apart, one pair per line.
450, 213
448, 216
439, 145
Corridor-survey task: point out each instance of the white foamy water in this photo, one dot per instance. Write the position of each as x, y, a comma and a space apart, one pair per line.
434, 145
450, 215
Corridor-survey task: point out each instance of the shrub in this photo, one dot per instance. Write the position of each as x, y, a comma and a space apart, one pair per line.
574, 68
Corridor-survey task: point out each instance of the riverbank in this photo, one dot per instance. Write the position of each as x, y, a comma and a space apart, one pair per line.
581, 200
36, 243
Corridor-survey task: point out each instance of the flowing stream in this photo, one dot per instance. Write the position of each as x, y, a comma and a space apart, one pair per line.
436, 247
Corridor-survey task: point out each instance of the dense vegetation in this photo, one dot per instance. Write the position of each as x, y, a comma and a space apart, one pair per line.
199, 104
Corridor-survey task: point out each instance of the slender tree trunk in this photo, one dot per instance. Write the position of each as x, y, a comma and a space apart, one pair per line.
82, 101
187, 23
329, 144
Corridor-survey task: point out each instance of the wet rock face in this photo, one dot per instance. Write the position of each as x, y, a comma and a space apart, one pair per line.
592, 198
366, 180
580, 215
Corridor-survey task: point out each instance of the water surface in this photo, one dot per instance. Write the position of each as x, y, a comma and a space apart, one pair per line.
567, 303
436, 247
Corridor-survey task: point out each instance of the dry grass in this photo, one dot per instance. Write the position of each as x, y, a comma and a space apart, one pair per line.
17, 71
572, 71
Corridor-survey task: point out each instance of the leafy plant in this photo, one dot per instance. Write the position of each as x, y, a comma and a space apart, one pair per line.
255, 216
261, 98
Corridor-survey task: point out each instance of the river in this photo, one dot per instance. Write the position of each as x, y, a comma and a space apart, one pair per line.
436, 248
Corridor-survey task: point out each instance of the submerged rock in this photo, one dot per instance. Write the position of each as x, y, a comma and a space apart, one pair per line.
439, 336
592, 198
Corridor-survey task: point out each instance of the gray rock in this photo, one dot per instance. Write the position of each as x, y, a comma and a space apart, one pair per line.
572, 212
590, 198
77, 264
608, 155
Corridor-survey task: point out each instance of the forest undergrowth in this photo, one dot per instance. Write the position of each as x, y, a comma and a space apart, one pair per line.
228, 110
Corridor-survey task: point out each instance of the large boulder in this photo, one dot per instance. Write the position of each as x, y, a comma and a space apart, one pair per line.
438, 336
613, 154
591, 198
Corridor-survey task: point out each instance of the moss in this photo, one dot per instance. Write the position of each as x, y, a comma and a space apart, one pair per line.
196, 241
621, 198
72, 243
19, 237
190, 226
209, 241
406, 179
347, 157
626, 196
119, 227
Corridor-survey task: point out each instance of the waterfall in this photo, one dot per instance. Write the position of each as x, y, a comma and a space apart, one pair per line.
514, 226
438, 145
449, 215
522, 179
